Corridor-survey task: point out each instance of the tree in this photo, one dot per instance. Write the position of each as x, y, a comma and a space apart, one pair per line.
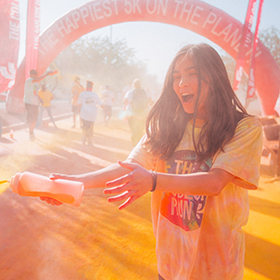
271, 39
103, 62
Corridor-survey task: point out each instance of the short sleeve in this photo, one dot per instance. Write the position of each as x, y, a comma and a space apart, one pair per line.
140, 155
241, 156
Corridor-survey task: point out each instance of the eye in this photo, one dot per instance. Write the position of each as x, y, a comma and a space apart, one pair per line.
192, 73
176, 77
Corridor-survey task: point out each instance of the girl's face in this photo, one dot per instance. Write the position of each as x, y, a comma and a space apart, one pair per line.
185, 85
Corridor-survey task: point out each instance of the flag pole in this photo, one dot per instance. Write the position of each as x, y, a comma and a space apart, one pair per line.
32, 35
244, 44
251, 88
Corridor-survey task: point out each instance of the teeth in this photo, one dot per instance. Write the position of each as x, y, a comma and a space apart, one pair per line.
186, 94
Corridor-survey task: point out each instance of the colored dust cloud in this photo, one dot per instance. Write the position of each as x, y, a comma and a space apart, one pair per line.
96, 240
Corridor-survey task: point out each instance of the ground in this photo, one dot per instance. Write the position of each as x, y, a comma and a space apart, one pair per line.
96, 240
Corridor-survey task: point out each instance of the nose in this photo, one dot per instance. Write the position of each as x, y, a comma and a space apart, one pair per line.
184, 82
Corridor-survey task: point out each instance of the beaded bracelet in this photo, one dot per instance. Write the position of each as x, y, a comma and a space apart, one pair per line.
154, 174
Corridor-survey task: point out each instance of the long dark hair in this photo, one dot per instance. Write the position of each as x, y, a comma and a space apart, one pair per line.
167, 120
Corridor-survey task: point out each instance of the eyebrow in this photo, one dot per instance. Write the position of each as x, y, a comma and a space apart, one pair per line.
186, 69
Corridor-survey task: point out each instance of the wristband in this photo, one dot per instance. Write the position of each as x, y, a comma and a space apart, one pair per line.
154, 174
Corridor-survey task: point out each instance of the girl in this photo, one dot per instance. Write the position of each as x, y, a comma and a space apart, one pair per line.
204, 150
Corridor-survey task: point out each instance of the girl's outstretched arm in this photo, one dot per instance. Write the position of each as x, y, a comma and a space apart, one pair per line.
128, 181
139, 181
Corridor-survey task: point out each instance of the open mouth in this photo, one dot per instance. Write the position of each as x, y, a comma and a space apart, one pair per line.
187, 97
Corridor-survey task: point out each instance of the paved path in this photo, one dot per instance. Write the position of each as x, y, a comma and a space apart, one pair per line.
96, 240
60, 109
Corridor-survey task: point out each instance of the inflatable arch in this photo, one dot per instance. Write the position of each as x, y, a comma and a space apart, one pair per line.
193, 15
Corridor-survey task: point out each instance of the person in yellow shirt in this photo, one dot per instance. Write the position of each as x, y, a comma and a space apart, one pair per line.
45, 97
199, 157
76, 91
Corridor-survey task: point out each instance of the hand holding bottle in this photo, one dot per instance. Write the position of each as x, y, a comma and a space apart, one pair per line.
54, 192
51, 201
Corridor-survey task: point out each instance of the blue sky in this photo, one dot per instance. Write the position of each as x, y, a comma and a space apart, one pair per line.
155, 43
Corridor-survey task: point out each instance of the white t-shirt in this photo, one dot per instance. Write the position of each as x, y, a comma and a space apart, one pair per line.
31, 92
107, 97
89, 101
200, 237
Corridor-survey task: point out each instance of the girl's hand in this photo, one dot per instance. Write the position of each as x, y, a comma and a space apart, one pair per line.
131, 186
54, 176
51, 201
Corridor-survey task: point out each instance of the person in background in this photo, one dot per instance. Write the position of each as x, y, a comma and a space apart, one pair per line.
136, 104
107, 97
45, 96
199, 157
88, 105
32, 100
76, 90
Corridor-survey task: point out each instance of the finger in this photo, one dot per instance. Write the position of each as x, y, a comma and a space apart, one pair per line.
46, 199
118, 189
128, 165
57, 203
55, 176
50, 201
113, 190
129, 201
119, 197
54, 202
119, 181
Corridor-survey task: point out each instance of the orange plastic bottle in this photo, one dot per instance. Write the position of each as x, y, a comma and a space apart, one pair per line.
30, 184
